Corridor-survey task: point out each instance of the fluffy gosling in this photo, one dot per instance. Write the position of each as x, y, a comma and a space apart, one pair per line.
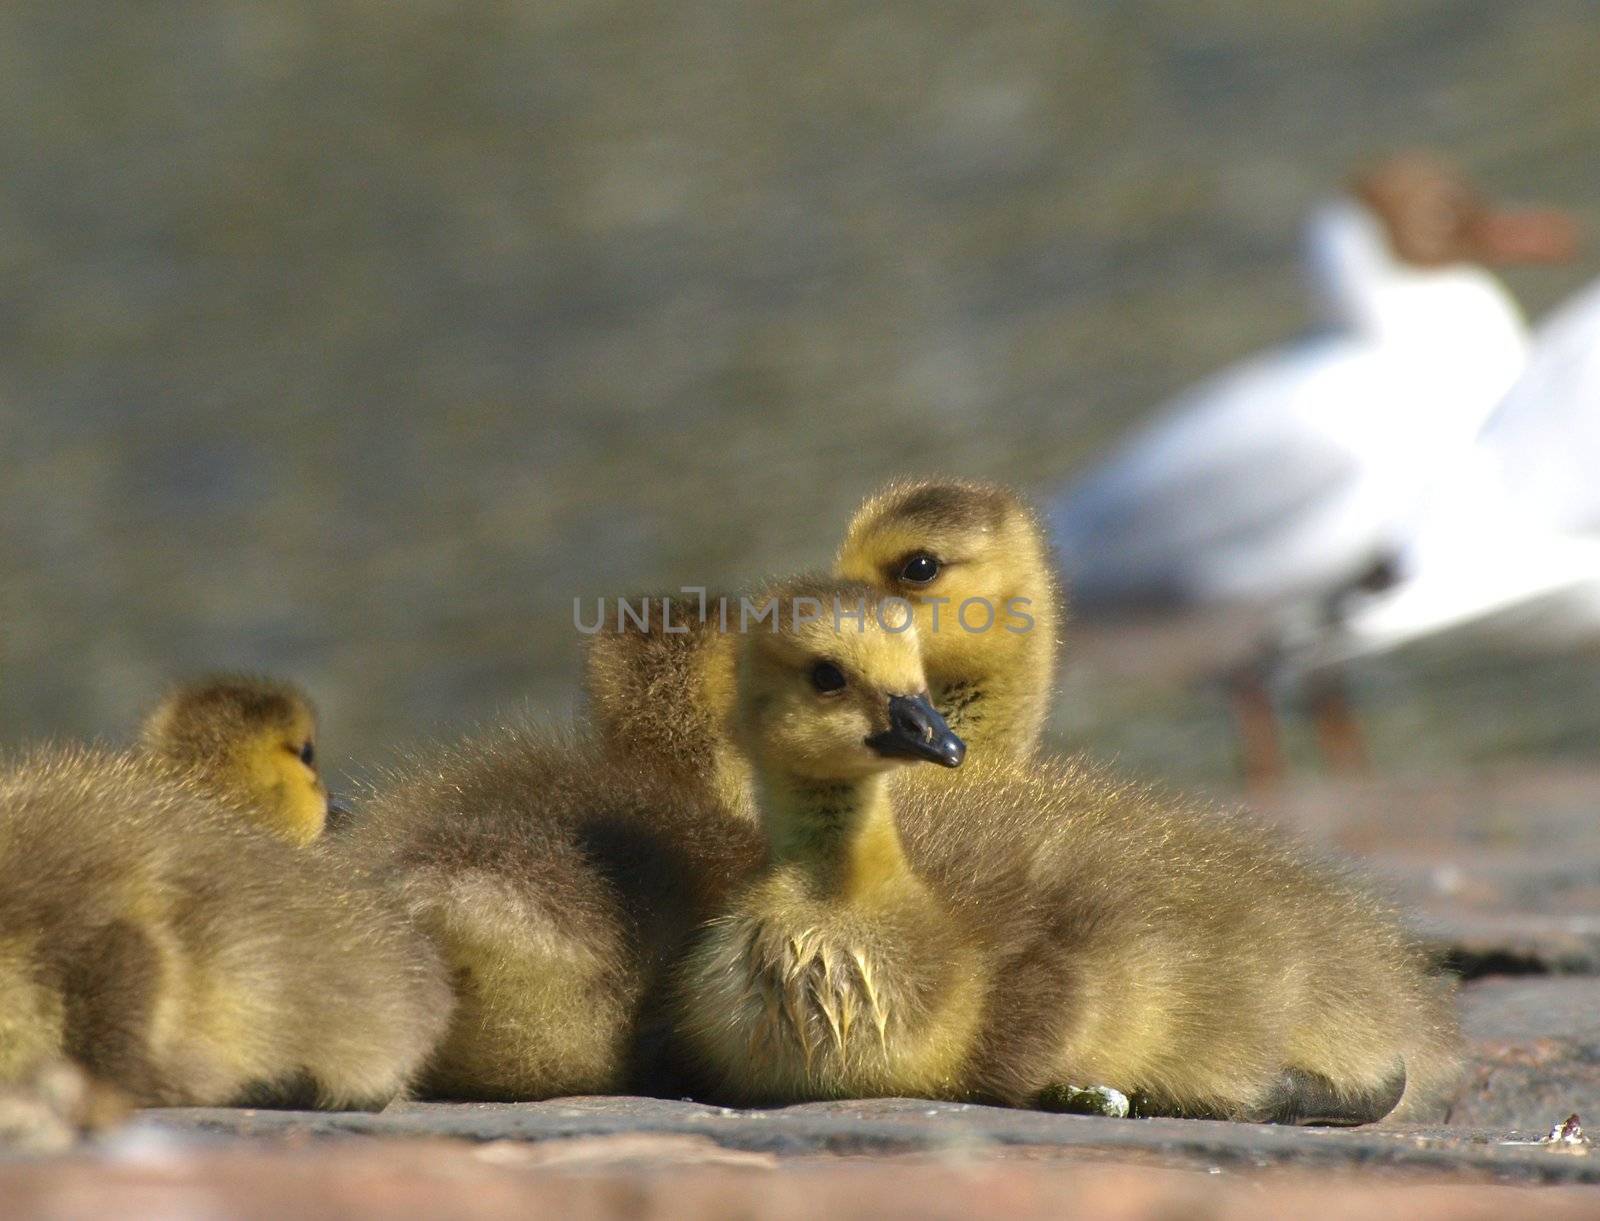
1045, 927
249, 740
559, 885
971, 558
154, 938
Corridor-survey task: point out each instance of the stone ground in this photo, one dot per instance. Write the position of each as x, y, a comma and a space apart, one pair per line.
1503, 871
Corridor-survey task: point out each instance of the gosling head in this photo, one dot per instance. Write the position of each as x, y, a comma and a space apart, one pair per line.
973, 561
251, 740
831, 688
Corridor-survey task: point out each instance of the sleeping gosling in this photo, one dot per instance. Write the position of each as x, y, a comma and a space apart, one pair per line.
249, 740
158, 941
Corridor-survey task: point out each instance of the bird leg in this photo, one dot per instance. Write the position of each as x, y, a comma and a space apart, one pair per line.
1339, 735
1256, 721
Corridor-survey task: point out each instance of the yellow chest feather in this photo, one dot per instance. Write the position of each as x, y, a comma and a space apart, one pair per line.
789, 1011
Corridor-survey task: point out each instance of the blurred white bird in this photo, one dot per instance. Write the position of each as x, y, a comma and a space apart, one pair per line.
1508, 549
1537, 593
1545, 436
1293, 478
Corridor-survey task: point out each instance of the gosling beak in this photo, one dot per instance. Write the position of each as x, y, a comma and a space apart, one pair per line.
917, 731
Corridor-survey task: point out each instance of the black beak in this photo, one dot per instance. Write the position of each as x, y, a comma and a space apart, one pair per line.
917, 731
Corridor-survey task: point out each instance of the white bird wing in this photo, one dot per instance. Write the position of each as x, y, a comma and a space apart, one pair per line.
1538, 591
1257, 483
1545, 435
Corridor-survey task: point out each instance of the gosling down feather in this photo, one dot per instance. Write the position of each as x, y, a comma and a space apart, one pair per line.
155, 937
1040, 928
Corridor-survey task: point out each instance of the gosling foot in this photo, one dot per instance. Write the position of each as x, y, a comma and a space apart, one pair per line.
1306, 1098
300, 1091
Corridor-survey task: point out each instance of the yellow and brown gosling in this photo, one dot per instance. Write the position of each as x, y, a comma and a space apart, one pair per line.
974, 561
1039, 929
155, 938
559, 884
659, 695
971, 558
249, 740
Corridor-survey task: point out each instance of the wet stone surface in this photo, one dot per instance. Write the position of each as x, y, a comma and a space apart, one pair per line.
1500, 870
899, 1126
1535, 1050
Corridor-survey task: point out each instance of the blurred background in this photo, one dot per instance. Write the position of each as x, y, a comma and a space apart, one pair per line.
354, 340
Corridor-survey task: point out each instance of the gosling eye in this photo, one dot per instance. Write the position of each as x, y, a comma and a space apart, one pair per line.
308, 754
827, 677
919, 569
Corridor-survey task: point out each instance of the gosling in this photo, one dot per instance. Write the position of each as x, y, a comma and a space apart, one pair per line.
1046, 928
971, 560
155, 939
658, 696
248, 740
560, 886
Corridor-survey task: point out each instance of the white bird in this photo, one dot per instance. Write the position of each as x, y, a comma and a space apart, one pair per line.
1292, 473
1535, 593
1300, 474
1544, 437
1508, 551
